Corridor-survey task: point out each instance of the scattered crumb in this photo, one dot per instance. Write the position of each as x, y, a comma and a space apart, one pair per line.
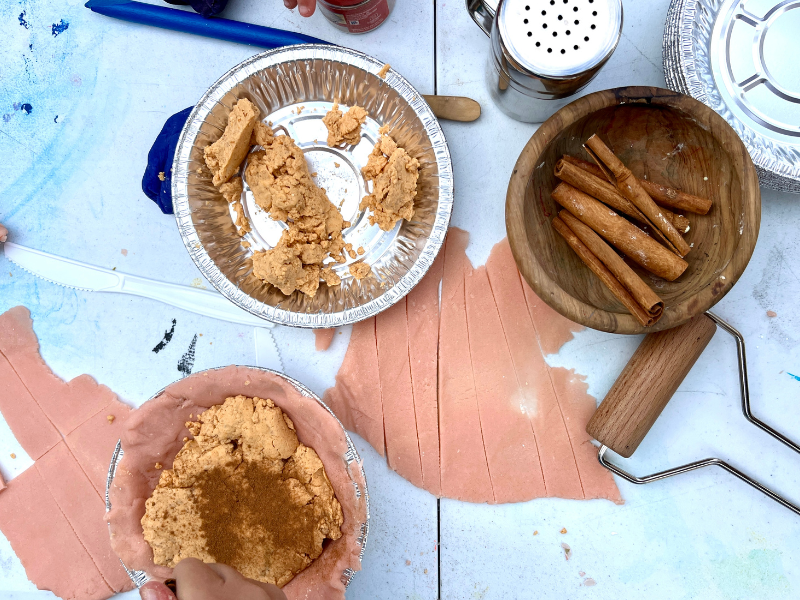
110, 418
567, 551
564, 530
113, 268
360, 270
425, 571
408, 562
191, 416
124, 252
536, 532
186, 439
772, 314
159, 466
361, 251
161, 176
705, 178
337, 165
245, 243
722, 277
581, 573
247, 382
384, 70
13, 455
589, 582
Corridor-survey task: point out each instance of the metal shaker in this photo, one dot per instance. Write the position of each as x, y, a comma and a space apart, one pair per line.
544, 51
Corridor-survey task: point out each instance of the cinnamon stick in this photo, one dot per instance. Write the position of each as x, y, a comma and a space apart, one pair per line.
646, 298
578, 177
675, 198
621, 233
630, 187
599, 269
661, 194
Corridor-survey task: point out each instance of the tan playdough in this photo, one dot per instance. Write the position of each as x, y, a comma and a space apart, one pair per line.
224, 156
281, 183
243, 492
394, 174
344, 128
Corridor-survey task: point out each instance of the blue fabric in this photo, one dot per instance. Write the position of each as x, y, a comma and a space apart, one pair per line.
208, 8
159, 160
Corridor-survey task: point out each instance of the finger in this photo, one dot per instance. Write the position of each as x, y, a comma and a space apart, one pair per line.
242, 585
307, 7
155, 590
194, 579
290, 3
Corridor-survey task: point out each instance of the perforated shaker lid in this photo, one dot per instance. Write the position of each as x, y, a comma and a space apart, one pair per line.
560, 38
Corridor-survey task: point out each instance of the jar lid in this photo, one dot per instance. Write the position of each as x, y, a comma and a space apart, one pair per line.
560, 38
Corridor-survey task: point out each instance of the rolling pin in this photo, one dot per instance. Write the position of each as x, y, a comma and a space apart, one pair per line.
646, 384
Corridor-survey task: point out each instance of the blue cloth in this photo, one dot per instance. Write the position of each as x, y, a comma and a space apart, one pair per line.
159, 160
208, 8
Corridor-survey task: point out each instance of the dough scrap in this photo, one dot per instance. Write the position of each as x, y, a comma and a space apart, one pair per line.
394, 174
360, 270
224, 156
282, 185
344, 128
236, 444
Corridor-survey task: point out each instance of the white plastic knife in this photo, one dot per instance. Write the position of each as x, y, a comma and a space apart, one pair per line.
74, 274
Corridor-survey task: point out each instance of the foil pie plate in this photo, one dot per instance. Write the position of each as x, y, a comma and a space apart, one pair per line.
737, 56
294, 87
139, 578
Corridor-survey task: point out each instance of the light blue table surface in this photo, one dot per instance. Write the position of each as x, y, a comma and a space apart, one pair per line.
81, 99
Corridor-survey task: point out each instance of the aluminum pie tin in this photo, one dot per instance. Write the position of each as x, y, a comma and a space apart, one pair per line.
294, 87
738, 57
139, 578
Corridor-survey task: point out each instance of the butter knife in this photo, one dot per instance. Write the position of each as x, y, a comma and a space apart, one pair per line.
74, 274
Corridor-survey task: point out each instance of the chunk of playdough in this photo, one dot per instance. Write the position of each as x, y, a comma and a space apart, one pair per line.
45, 542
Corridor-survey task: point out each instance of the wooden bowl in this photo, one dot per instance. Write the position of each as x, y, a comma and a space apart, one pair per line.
669, 138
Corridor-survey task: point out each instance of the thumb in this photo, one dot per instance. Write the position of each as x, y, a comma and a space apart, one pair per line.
155, 590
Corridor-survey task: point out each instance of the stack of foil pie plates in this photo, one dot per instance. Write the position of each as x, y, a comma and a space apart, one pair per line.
739, 58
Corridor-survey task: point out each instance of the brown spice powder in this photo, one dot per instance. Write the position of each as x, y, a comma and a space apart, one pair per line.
254, 513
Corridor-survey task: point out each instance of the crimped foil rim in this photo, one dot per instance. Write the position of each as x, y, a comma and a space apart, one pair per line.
695, 23
201, 258
139, 578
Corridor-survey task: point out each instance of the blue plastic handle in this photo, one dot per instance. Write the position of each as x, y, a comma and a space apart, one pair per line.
189, 22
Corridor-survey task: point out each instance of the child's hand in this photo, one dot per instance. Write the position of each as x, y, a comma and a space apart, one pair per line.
306, 6
197, 580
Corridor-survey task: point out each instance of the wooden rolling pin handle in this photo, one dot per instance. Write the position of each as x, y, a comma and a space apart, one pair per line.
646, 384
454, 108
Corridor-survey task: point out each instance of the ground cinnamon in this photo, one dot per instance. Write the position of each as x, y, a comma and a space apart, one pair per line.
244, 518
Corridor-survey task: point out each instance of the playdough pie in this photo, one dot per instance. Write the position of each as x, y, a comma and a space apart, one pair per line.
234, 465
244, 492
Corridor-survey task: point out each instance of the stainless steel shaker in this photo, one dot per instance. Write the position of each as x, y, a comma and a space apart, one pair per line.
544, 51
